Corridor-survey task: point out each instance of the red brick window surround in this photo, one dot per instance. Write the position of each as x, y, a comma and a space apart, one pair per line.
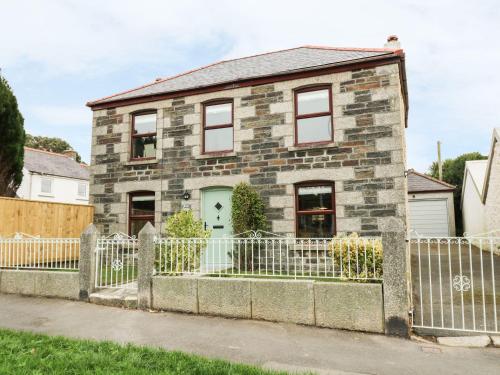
313, 115
141, 209
218, 131
315, 209
143, 135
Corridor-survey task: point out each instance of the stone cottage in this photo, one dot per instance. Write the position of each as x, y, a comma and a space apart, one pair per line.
318, 131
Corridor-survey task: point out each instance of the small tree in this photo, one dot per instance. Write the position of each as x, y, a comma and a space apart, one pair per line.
247, 214
186, 240
453, 173
12, 136
247, 209
52, 144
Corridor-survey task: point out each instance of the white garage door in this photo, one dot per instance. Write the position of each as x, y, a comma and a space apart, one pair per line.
429, 217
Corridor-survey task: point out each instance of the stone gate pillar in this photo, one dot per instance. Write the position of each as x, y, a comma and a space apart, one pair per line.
146, 265
86, 263
396, 284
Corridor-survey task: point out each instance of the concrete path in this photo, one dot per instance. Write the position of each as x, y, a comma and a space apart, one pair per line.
271, 345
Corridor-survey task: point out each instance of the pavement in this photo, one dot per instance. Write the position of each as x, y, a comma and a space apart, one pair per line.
270, 345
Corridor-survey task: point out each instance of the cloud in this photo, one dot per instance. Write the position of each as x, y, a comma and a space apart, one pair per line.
62, 116
452, 57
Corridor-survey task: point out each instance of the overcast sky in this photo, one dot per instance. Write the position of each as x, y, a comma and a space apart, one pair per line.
57, 55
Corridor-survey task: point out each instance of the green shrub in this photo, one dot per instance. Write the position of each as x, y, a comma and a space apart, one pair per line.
357, 255
177, 256
247, 210
247, 215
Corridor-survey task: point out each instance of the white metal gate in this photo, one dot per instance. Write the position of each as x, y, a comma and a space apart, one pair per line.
116, 262
456, 283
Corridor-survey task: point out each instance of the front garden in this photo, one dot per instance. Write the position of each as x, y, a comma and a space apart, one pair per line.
254, 252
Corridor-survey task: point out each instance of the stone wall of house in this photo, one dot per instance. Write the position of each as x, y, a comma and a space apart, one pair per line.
492, 204
366, 160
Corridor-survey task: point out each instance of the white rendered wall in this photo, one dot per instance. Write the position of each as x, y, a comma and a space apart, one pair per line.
24, 189
472, 209
64, 190
492, 204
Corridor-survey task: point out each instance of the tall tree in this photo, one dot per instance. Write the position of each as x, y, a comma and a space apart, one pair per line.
12, 138
52, 144
453, 173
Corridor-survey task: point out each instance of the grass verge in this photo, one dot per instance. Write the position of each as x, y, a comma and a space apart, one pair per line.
28, 353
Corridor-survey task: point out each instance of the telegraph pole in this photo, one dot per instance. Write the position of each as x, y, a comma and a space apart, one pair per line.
440, 163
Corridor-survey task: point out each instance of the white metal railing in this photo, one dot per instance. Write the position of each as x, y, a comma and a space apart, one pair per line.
116, 262
456, 283
37, 253
354, 258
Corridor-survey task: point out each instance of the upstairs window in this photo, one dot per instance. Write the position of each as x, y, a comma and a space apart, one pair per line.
218, 127
82, 190
141, 210
313, 115
144, 135
46, 185
315, 210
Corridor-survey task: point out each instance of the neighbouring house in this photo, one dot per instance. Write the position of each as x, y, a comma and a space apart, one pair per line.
430, 206
481, 192
48, 176
318, 131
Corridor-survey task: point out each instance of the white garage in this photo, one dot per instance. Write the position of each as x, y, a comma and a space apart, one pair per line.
431, 211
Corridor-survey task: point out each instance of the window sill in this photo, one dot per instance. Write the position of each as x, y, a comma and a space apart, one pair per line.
313, 146
47, 195
142, 162
216, 155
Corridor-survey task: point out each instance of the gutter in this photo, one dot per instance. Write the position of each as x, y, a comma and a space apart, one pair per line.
431, 191
404, 85
58, 175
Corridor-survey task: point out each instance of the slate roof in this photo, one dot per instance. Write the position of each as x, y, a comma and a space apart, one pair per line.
257, 66
45, 162
421, 183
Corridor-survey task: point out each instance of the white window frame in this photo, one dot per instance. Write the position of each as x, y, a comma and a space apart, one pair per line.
84, 195
46, 180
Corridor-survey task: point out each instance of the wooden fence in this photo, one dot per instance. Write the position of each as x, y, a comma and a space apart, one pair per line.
44, 219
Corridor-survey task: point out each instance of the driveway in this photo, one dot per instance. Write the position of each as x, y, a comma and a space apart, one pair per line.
455, 287
271, 345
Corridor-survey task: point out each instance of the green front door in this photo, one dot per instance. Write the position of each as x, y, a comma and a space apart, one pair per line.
216, 215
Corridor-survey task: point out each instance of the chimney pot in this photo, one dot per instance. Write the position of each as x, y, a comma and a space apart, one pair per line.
392, 42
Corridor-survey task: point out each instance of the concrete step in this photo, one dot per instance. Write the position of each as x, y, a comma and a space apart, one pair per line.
126, 298
465, 341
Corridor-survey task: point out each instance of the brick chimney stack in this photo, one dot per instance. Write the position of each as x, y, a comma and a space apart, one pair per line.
70, 154
392, 42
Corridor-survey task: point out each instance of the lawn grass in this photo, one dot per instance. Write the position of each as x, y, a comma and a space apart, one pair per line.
111, 277
28, 353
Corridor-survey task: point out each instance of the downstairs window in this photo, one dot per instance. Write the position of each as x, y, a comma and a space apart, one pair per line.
315, 209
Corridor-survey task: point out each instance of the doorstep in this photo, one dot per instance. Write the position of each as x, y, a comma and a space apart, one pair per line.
126, 298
